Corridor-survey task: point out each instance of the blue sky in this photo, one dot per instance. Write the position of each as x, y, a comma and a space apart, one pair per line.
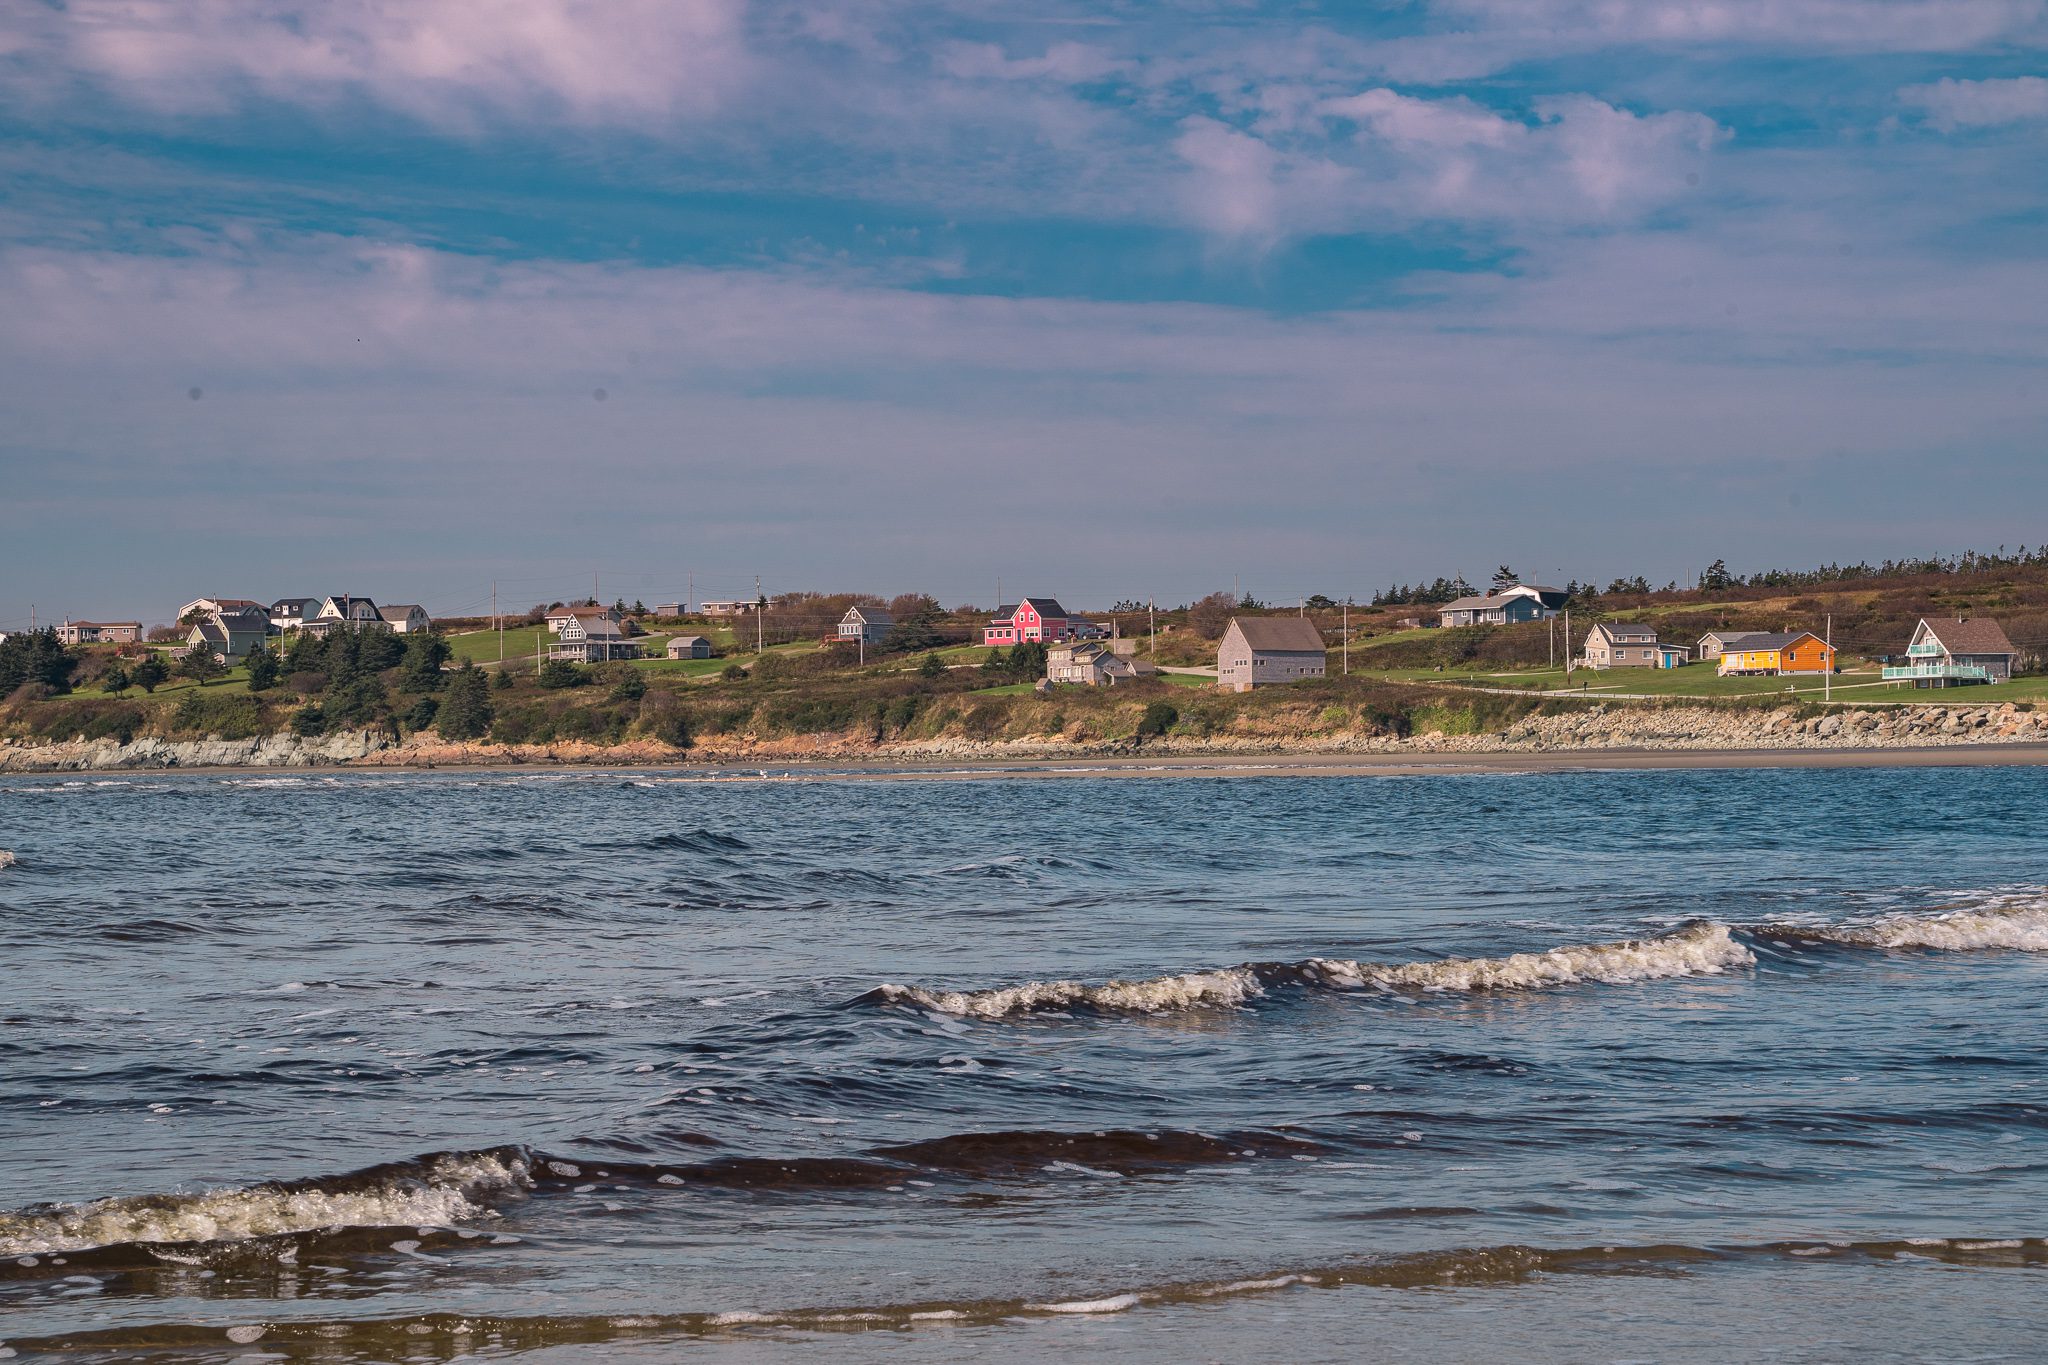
1100, 299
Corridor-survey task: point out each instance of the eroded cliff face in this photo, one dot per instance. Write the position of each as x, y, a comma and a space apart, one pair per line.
1598, 727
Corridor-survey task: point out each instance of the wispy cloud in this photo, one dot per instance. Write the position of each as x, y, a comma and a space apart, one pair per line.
444, 61
1950, 104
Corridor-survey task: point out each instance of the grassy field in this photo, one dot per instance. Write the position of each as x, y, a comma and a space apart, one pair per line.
1701, 681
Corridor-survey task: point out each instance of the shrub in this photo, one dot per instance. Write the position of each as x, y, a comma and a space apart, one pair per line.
421, 716
218, 713
558, 673
1159, 717
307, 684
309, 722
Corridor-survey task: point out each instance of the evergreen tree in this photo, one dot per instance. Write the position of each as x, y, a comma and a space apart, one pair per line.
465, 705
150, 673
116, 679
932, 667
36, 657
263, 670
1504, 577
202, 665
420, 670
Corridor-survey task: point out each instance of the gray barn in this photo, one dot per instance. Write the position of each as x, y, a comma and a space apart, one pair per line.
1258, 651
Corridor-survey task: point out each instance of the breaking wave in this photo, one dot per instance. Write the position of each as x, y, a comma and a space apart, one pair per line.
2019, 926
435, 1190
1702, 949
1161, 995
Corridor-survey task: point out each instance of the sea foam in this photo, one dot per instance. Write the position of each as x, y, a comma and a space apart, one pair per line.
1159, 995
1703, 949
434, 1191
2020, 926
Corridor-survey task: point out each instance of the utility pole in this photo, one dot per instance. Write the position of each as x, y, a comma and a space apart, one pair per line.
690, 602
1827, 674
1347, 637
1567, 644
760, 610
593, 587
1152, 624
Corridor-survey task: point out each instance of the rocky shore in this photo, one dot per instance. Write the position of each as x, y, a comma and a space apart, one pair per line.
1612, 727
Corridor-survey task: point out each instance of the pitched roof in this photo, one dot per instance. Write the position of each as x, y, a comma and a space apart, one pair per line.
1279, 634
1773, 639
1047, 606
401, 610
1727, 637
1616, 629
1976, 635
675, 640
874, 616
1480, 603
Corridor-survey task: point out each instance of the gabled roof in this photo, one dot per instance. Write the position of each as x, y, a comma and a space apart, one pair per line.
874, 616
1975, 635
399, 611
1480, 603
675, 640
300, 602
1045, 606
1617, 629
1772, 640
1278, 634
1727, 637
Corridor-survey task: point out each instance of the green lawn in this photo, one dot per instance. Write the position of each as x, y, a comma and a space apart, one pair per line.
1700, 680
1187, 680
1007, 690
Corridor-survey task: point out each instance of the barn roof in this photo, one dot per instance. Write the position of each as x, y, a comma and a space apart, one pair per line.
1279, 634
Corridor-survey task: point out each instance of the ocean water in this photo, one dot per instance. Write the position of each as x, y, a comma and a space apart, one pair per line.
1688, 1065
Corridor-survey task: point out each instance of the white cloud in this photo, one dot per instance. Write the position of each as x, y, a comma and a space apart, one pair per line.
440, 60
1951, 104
1404, 119
1232, 190
1581, 160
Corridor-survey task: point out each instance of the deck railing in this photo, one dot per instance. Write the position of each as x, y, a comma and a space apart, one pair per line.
1941, 672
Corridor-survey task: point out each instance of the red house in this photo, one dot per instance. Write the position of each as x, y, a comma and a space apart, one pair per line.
1036, 618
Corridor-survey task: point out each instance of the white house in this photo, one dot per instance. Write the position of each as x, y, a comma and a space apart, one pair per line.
406, 618
1504, 606
1095, 663
289, 613
561, 616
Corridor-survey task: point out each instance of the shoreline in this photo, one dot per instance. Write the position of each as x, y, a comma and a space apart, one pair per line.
1306, 764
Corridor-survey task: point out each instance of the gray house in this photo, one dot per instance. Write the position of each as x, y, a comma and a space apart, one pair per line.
1097, 663
689, 647
1519, 602
1258, 651
867, 625
1956, 653
1716, 642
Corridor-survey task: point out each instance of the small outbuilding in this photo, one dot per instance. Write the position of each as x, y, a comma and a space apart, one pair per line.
1260, 651
689, 647
1780, 652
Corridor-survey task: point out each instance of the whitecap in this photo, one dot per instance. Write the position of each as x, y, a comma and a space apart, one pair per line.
1157, 996
1704, 949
